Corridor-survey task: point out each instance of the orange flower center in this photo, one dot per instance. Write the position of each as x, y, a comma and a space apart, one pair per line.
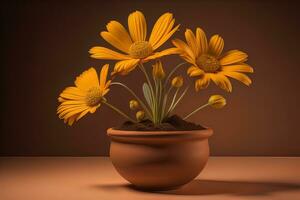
93, 96
140, 49
208, 63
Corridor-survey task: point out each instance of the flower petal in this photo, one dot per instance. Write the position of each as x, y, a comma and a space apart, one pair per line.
192, 42
201, 41
221, 81
103, 75
195, 71
216, 45
119, 32
232, 57
104, 53
161, 54
114, 41
238, 76
87, 79
162, 30
202, 83
185, 50
243, 67
137, 26
125, 66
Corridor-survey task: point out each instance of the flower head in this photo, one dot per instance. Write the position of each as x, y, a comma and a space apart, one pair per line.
217, 101
133, 104
86, 96
208, 62
177, 81
158, 71
135, 45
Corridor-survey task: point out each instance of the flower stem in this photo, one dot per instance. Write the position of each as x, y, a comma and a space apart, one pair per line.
119, 111
199, 108
172, 72
135, 96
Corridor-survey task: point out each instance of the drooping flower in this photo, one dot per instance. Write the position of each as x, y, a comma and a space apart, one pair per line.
217, 101
86, 96
158, 71
135, 45
177, 81
208, 62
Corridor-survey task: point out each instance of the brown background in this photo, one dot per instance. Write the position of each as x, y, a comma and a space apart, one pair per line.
45, 46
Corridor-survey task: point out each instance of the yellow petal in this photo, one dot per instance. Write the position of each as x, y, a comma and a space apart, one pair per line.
103, 75
161, 54
185, 50
125, 66
162, 30
216, 45
191, 40
71, 120
201, 41
73, 112
221, 81
87, 79
137, 26
238, 76
104, 53
83, 113
114, 41
202, 83
195, 71
238, 68
165, 37
118, 30
93, 109
232, 57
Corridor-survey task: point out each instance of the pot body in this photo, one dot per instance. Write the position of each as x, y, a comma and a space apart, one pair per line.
159, 160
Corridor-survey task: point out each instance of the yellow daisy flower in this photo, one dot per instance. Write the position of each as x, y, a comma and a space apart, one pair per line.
209, 64
135, 44
85, 97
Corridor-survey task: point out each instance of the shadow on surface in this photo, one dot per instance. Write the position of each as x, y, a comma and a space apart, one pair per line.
214, 187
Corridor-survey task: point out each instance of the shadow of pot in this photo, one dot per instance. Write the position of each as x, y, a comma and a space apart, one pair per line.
159, 160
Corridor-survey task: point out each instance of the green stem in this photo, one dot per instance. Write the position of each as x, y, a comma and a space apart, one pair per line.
199, 108
172, 72
135, 96
119, 111
173, 101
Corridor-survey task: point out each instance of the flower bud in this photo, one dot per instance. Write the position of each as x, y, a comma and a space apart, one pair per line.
177, 81
158, 71
133, 105
217, 101
140, 115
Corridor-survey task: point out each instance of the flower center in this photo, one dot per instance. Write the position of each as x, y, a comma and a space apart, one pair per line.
140, 49
93, 96
208, 63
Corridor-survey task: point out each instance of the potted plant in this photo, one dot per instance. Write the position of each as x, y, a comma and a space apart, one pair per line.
156, 149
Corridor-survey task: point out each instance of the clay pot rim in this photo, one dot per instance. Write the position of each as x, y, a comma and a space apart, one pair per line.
205, 133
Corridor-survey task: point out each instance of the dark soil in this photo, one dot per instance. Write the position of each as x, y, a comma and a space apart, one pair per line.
172, 123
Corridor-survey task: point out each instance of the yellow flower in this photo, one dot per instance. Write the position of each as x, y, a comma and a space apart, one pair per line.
217, 101
209, 64
158, 71
133, 105
140, 115
85, 97
177, 81
135, 44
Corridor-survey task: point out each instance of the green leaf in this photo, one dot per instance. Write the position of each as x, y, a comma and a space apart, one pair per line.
147, 94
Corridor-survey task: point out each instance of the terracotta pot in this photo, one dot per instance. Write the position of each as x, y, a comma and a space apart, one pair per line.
159, 160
